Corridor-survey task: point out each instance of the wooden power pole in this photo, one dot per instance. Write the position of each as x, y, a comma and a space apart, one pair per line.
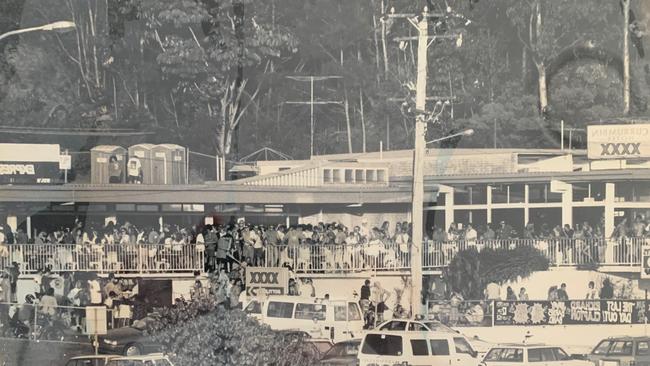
626, 56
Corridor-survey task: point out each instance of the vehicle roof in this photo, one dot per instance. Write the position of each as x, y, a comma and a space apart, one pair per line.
93, 357
153, 356
627, 338
524, 345
414, 334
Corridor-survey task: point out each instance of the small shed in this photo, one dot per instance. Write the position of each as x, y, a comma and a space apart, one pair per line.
100, 159
143, 152
169, 164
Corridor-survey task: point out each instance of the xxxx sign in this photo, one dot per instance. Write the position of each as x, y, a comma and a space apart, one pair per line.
618, 141
274, 281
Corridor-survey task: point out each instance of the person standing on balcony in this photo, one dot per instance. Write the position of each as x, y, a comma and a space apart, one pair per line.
562, 295
523, 295
224, 245
529, 231
471, 235
592, 294
510, 294
114, 170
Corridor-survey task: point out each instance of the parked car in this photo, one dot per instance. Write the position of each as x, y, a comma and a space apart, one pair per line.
154, 359
91, 360
415, 326
416, 348
530, 354
623, 351
128, 341
342, 354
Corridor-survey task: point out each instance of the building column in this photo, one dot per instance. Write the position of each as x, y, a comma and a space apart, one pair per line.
28, 223
526, 206
567, 206
566, 190
161, 223
488, 198
610, 194
449, 208
608, 230
12, 222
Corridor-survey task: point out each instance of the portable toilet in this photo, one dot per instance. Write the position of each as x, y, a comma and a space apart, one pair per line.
169, 164
99, 160
143, 152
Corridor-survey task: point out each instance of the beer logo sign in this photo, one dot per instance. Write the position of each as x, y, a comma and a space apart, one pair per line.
621, 141
620, 149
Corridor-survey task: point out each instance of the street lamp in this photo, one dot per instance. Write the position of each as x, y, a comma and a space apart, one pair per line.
468, 132
60, 25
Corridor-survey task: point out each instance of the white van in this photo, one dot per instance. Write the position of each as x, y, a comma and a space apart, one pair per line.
338, 319
416, 348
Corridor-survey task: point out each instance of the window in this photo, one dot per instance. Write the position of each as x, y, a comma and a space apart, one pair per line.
336, 176
505, 355
602, 348
353, 311
339, 313
382, 344
342, 350
622, 348
439, 347
560, 355
417, 327
462, 346
438, 327
327, 175
541, 355
349, 177
359, 176
643, 348
254, 307
394, 325
381, 175
280, 309
311, 311
419, 347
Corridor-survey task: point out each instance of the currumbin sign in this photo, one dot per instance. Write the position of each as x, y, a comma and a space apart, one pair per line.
618, 141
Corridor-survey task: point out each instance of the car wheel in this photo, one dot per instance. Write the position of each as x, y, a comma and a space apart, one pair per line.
132, 349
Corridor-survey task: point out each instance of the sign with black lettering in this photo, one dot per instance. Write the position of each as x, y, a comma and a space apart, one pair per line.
29, 173
618, 141
274, 281
30, 164
569, 312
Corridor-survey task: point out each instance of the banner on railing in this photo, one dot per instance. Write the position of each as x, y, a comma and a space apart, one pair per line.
569, 312
274, 281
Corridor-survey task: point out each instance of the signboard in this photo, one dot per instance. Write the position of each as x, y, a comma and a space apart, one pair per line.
29, 164
618, 141
96, 320
569, 312
273, 281
645, 261
65, 162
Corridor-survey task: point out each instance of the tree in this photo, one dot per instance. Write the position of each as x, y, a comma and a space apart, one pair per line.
204, 333
200, 51
470, 271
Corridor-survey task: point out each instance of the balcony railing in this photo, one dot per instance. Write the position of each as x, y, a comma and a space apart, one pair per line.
151, 258
142, 258
437, 255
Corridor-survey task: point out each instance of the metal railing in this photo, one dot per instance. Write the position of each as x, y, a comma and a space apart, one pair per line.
325, 258
436, 255
123, 258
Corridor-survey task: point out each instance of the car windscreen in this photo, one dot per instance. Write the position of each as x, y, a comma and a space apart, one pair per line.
438, 327
509, 354
254, 307
602, 348
343, 350
382, 344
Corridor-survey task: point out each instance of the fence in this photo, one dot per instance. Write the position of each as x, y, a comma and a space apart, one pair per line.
436, 255
123, 258
146, 258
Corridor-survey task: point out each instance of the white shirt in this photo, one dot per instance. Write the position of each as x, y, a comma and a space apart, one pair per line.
471, 234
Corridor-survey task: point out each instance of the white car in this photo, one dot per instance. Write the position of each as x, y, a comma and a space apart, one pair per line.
154, 359
411, 325
416, 348
530, 354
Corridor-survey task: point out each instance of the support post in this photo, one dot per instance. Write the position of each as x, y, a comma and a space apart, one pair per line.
626, 56
418, 166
